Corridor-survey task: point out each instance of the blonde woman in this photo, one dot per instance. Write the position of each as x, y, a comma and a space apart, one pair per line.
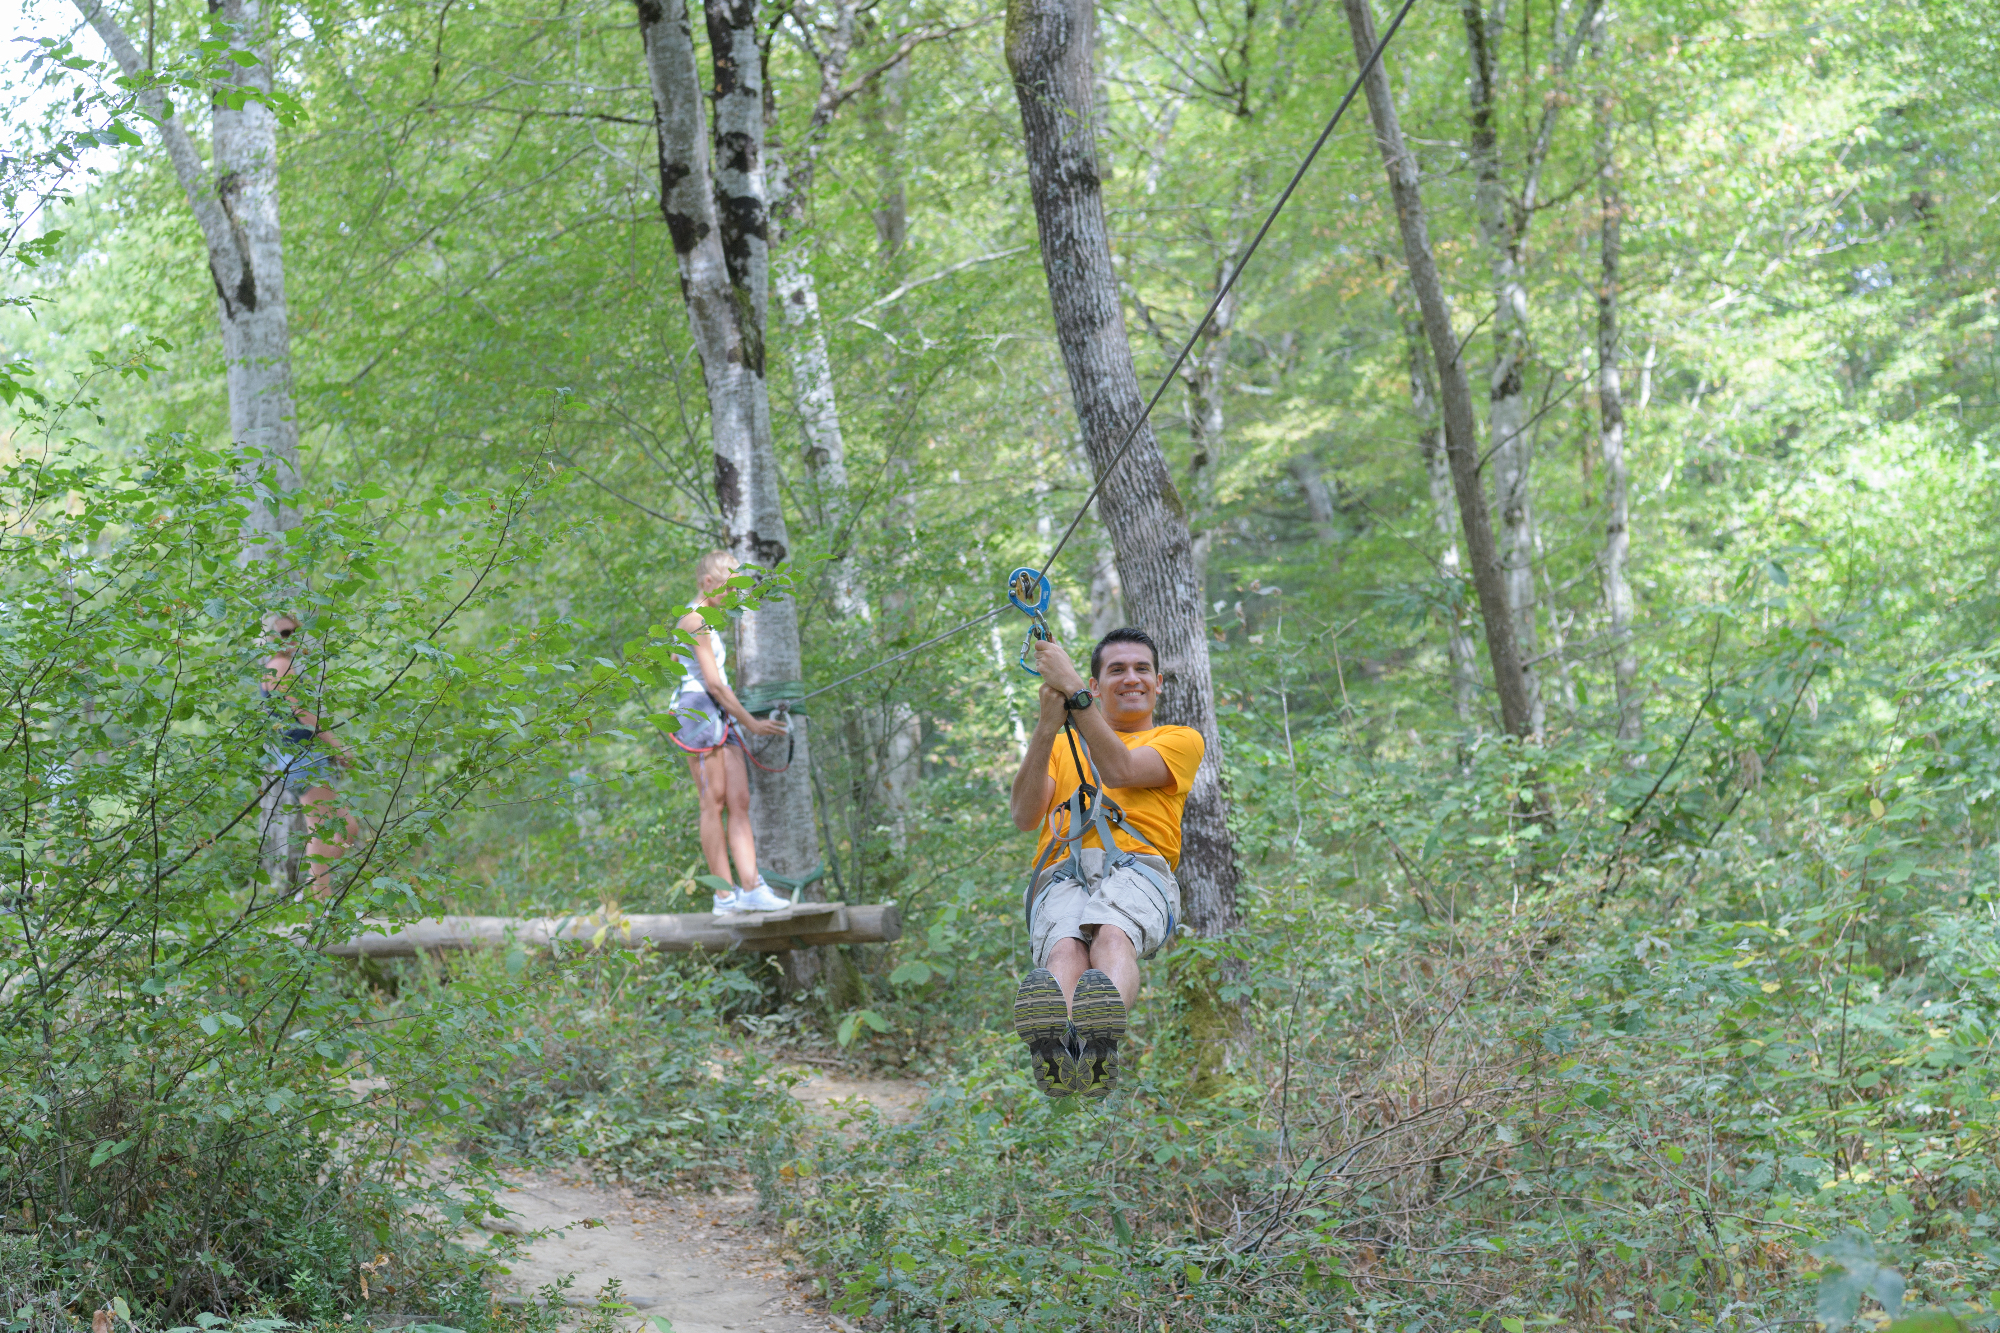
713, 723
304, 752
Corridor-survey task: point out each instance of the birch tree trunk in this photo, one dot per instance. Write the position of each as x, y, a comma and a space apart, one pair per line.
1461, 432
716, 217
1611, 416
1444, 517
238, 215
798, 297
1049, 52
237, 211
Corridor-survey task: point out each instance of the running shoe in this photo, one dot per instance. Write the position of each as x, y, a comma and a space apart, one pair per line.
761, 898
1099, 1014
1042, 1021
730, 903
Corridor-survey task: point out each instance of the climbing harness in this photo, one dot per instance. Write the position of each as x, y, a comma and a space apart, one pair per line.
1028, 589
1091, 808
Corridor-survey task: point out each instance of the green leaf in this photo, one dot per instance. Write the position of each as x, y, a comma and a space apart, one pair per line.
912, 973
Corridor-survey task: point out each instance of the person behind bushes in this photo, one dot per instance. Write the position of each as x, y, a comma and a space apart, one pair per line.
302, 753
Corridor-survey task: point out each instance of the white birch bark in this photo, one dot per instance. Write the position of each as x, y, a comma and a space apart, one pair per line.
716, 217
819, 421
1503, 231
237, 211
1611, 415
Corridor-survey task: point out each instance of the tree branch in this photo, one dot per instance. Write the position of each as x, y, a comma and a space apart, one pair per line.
223, 255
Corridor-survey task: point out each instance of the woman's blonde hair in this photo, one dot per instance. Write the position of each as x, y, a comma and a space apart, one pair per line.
713, 570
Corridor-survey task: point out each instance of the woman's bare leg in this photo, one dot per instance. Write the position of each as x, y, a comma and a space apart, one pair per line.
708, 771
323, 807
742, 839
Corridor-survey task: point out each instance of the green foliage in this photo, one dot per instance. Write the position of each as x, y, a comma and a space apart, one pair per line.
1660, 1034
188, 1114
625, 1062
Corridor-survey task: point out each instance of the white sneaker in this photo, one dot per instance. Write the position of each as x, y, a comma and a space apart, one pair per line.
729, 904
761, 899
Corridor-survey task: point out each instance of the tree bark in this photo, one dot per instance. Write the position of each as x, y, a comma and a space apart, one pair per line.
1507, 393
1049, 52
237, 212
1204, 380
716, 217
1319, 498
238, 215
1444, 517
1461, 432
1107, 594
1611, 416
883, 120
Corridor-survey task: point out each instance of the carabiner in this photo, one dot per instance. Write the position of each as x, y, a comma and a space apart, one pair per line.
1028, 589
1038, 630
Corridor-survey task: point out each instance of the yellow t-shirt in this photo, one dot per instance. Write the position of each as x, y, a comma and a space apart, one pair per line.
1153, 811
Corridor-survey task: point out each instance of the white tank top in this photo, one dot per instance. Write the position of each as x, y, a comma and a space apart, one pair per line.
691, 677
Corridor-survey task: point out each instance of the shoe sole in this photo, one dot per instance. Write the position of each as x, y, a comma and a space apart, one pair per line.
1041, 1020
1099, 1014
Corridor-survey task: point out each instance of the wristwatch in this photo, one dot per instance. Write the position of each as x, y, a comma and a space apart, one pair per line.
1079, 701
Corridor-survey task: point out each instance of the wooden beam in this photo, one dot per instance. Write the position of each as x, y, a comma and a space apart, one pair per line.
683, 932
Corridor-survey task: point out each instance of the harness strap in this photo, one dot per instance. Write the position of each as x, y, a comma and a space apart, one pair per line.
1090, 809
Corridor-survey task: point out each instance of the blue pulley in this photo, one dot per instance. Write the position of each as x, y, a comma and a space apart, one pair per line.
1028, 589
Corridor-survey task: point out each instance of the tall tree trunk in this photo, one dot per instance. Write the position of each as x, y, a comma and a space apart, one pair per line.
1507, 405
716, 217
1444, 517
1107, 594
1203, 379
1503, 230
1461, 432
1611, 414
1319, 498
237, 212
1049, 47
819, 421
884, 121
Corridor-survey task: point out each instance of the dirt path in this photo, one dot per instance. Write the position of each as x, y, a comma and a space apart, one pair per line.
703, 1263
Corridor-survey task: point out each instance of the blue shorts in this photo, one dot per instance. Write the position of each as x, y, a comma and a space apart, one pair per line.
303, 769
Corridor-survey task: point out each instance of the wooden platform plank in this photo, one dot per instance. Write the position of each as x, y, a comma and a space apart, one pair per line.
674, 932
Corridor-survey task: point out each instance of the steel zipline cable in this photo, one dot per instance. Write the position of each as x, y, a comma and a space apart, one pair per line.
1187, 348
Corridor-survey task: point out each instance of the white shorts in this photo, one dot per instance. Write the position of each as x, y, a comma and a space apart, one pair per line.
1060, 907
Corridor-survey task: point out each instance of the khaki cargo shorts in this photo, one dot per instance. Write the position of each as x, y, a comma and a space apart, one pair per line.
1062, 908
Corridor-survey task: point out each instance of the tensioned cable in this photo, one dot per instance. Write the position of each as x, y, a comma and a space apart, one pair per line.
1187, 348
905, 653
1230, 281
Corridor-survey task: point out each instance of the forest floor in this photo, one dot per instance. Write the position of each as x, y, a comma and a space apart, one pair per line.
704, 1263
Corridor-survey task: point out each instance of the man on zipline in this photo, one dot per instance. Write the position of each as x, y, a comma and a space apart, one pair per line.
1092, 917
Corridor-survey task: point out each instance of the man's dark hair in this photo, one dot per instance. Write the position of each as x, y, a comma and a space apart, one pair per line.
1125, 635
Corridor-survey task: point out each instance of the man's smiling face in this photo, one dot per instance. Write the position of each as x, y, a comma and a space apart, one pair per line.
1127, 685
